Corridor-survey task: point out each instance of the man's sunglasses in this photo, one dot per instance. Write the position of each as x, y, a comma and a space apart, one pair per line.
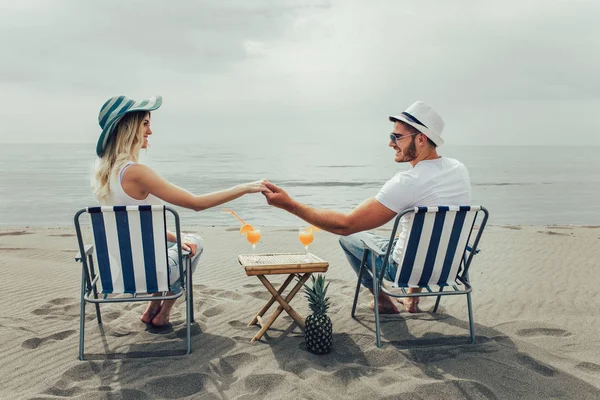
394, 137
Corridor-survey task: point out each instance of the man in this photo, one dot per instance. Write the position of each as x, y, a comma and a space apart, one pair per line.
433, 180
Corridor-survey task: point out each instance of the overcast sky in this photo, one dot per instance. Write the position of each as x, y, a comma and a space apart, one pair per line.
511, 72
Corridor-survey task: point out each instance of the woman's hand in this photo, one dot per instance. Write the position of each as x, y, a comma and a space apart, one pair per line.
189, 246
257, 187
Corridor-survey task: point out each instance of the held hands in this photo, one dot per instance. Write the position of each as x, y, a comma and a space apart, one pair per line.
278, 197
275, 195
257, 186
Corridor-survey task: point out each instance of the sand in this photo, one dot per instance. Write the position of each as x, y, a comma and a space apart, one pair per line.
536, 309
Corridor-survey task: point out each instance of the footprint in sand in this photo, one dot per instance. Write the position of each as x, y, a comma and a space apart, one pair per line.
264, 383
65, 308
349, 374
452, 389
67, 385
232, 363
211, 312
212, 292
262, 295
589, 367
62, 301
535, 365
238, 324
59, 392
552, 233
34, 343
79, 373
533, 332
61, 307
229, 295
252, 286
109, 316
15, 233
177, 386
118, 394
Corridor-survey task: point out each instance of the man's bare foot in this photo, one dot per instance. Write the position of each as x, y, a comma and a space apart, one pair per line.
149, 314
411, 305
161, 319
385, 307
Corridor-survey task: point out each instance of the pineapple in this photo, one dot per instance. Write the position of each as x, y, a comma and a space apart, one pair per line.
318, 332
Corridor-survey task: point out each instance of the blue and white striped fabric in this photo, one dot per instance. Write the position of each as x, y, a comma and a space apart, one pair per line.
436, 243
131, 247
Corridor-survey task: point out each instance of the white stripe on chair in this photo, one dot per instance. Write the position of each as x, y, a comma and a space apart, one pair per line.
418, 265
137, 249
462, 243
443, 249
411, 218
160, 248
112, 241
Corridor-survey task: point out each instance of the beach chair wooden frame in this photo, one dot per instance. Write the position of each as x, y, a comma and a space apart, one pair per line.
436, 256
130, 245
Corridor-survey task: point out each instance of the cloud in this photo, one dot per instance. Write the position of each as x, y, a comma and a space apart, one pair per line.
499, 72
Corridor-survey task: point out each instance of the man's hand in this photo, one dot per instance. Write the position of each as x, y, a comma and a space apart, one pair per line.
279, 197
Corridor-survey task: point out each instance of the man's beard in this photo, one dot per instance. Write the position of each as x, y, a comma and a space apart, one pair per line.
410, 153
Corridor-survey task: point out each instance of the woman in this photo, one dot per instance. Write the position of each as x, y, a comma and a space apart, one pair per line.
119, 180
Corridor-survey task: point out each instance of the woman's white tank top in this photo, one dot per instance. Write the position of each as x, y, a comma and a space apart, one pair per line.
118, 197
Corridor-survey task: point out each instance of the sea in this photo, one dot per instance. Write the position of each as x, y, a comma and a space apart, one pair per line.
45, 184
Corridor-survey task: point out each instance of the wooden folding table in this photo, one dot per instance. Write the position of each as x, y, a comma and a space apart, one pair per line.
298, 265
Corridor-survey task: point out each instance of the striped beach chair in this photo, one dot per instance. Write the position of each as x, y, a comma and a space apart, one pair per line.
130, 245
436, 256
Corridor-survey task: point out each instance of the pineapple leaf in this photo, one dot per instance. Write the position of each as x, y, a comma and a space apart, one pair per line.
316, 295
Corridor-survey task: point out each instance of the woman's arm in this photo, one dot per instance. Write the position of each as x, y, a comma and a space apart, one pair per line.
143, 180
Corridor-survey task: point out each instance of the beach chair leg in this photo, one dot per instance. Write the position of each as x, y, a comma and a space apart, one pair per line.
82, 316
191, 290
471, 326
376, 301
189, 310
437, 301
95, 289
360, 273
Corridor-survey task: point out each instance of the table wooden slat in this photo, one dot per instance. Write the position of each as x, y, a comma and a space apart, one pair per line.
281, 263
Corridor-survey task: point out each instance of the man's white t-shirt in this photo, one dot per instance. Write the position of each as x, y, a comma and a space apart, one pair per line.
440, 182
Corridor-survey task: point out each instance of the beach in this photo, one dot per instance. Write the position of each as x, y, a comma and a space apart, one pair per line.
535, 305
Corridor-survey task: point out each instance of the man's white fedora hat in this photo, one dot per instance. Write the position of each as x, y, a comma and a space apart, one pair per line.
424, 118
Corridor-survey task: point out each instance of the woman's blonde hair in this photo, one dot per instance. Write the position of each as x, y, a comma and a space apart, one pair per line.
123, 146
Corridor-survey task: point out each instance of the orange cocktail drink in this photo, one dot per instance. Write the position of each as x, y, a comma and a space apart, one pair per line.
253, 236
306, 237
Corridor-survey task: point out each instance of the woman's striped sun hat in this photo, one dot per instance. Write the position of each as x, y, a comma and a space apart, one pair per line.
114, 109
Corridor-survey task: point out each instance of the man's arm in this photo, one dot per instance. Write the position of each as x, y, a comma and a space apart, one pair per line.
368, 215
